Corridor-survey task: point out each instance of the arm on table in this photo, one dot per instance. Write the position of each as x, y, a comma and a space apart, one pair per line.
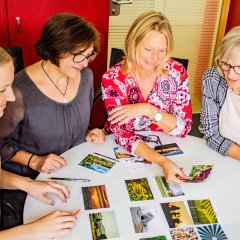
54, 225
36, 189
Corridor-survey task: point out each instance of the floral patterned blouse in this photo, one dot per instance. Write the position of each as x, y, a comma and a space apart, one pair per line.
170, 94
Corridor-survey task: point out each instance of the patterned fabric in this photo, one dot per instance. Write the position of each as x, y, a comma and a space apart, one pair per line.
214, 90
170, 94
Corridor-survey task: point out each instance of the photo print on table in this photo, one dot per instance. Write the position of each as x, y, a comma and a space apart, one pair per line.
210, 232
139, 189
185, 233
154, 238
168, 149
122, 153
146, 219
202, 211
103, 225
199, 173
98, 164
168, 189
95, 197
176, 214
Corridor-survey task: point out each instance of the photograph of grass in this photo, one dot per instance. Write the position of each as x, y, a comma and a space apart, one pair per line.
96, 163
95, 197
199, 173
176, 214
184, 234
139, 189
103, 225
145, 219
168, 189
212, 232
155, 238
202, 211
168, 149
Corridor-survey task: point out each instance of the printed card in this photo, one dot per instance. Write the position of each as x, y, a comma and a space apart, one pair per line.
176, 214
202, 211
98, 164
139, 189
145, 219
199, 173
95, 197
168, 149
184, 233
168, 189
103, 225
212, 232
121, 153
155, 238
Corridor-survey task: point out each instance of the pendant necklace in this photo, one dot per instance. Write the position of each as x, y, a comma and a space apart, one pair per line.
62, 93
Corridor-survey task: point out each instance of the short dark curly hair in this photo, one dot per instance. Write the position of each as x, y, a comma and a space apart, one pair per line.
64, 33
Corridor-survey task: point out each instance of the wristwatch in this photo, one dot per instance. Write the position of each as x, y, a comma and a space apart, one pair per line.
158, 116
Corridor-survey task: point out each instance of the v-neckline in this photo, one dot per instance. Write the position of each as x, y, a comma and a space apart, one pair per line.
139, 90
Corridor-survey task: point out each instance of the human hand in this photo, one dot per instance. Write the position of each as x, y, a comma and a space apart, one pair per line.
38, 190
47, 163
52, 226
124, 113
96, 136
172, 172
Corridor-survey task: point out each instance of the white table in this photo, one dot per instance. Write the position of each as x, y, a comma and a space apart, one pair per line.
221, 187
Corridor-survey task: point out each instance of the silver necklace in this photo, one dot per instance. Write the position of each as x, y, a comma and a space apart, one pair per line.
62, 93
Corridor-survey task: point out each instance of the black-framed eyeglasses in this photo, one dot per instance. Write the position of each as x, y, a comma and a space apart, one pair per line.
78, 57
226, 67
151, 138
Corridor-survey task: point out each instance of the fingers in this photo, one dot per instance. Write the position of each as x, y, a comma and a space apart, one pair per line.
52, 163
96, 136
117, 116
60, 189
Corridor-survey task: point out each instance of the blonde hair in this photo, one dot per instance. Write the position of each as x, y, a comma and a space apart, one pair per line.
228, 47
145, 23
4, 57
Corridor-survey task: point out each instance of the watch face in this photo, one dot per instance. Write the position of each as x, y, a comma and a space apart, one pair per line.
157, 116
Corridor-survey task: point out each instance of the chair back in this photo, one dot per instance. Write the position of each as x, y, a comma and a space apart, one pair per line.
16, 53
183, 61
117, 55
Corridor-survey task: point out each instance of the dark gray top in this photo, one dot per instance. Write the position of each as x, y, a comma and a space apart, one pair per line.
40, 125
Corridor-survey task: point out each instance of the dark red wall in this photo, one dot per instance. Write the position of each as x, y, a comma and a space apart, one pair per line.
233, 15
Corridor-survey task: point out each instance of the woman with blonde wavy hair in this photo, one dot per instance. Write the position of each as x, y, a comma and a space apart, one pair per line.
148, 91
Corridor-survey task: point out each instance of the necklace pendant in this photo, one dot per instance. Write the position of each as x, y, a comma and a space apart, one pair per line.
65, 100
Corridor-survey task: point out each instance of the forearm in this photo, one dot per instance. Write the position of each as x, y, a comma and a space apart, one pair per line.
22, 232
168, 121
234, 151
13, 181
22, 158
148, 153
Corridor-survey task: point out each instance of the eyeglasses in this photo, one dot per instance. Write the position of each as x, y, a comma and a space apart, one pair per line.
151, 138
78, 57
226, 67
